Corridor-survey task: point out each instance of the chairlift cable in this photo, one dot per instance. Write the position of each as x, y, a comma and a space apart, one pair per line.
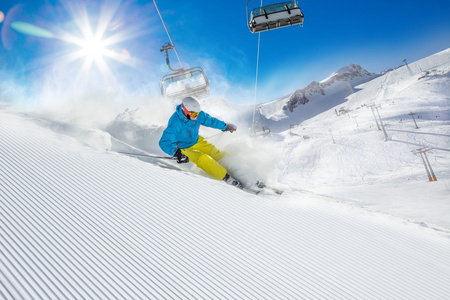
171, 42
256, 80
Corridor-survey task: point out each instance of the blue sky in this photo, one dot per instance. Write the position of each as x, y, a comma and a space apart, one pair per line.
378, 35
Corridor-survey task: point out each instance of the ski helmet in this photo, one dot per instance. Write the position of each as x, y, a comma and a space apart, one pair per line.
190, 104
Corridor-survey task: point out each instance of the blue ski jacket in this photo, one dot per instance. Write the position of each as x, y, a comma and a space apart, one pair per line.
183, 133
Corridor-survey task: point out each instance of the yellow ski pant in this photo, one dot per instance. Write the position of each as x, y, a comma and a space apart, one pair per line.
205, 155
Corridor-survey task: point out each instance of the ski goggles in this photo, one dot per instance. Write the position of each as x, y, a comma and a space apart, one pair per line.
192, 114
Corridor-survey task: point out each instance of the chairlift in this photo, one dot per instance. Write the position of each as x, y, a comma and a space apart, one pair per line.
190, 82
182, 83
259, 127
274, 16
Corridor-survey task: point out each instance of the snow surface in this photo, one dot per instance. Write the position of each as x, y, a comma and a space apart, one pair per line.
358, 218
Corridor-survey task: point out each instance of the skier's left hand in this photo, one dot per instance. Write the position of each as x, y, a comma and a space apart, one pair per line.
181, 158
230, 128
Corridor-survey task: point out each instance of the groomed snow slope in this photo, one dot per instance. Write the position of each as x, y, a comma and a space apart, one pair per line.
82, 223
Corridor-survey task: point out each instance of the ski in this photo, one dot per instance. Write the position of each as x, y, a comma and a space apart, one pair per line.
262, 186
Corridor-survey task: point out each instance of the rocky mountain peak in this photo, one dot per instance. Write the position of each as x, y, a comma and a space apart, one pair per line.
347, 73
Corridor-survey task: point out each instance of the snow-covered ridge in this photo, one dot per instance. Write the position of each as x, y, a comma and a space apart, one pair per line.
352, 74
347, 73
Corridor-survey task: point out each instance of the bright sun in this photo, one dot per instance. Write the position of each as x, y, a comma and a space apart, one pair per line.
96, 46
93, 43
93, 48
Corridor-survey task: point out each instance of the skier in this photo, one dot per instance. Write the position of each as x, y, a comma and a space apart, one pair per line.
182, 140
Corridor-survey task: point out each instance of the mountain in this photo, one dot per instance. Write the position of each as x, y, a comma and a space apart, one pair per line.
326, 94
358, 218
351, 74
333, 146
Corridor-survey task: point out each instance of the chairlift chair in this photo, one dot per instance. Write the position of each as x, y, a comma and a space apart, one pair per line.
274, 16
190, 82
182, 83
259, 127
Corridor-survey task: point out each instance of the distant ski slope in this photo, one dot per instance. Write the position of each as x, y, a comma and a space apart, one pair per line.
80, 223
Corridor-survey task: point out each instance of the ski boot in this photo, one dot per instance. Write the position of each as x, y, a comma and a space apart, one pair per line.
231, 181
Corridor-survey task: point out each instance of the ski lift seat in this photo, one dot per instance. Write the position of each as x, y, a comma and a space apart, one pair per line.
184, 83
260, 130
275, 16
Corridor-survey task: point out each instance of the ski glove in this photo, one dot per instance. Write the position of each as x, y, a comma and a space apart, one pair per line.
230, 128
181, 158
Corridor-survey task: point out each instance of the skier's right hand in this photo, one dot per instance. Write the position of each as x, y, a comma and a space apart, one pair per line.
181, 158
230, 127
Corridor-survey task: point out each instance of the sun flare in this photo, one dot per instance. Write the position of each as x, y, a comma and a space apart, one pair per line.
96, 44
93, 48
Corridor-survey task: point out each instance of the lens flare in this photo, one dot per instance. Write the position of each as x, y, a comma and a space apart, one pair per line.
78, 40
30, 29
2, 16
